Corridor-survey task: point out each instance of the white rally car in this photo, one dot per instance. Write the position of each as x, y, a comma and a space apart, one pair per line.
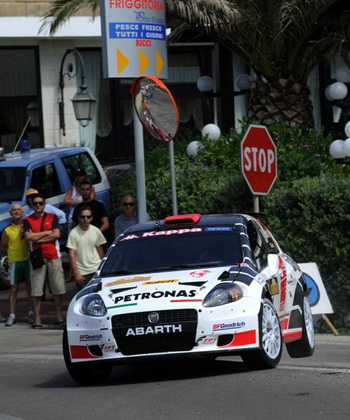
189, 285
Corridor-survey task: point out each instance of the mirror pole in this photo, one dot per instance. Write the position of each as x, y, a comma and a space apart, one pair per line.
172, 176
140, 168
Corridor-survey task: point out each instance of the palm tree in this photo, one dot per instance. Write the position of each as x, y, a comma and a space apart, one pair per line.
281, 41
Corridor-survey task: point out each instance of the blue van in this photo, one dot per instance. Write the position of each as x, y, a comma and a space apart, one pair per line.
51, 171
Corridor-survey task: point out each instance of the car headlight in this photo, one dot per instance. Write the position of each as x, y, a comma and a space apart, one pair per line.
93, 305
223, 294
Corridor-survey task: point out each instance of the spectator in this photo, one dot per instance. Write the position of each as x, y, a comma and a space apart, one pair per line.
42, 231
85, 247
61, 215
128, 216
99, 212
73, 197
14, 244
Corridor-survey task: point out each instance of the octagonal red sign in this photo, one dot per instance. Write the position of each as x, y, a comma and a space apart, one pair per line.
259, 159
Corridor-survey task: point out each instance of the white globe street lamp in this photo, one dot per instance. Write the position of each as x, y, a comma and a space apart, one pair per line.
347, 129
346, 147
337, 91
193, 148
211, 132
205, 84
336, 149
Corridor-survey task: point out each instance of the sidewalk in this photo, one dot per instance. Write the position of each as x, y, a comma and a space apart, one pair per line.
47, 306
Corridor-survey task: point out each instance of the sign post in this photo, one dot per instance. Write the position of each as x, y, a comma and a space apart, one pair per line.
259, 161
134, 44
134, 38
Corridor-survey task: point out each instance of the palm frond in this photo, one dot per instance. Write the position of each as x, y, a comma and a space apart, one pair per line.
62, 10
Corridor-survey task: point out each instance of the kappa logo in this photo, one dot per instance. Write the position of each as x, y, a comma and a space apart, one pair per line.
157, 329
155, 233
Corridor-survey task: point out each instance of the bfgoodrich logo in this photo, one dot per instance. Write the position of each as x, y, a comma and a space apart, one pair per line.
233, 325
90, 337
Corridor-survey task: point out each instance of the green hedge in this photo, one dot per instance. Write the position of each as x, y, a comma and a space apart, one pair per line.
311, 220
307, 209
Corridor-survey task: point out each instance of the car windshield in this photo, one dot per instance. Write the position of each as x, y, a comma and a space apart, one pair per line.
12, 181
176, 249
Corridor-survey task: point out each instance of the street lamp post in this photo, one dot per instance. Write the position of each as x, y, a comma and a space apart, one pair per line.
205, 85
83, 101
338, 94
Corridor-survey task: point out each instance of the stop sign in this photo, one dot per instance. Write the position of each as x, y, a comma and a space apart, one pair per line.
259, 159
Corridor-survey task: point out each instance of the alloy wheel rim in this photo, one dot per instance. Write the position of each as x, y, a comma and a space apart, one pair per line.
271, 334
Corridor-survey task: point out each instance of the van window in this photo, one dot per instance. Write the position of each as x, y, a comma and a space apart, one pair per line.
82, 161
45, 180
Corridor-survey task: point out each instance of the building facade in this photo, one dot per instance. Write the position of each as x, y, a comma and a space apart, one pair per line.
30, 63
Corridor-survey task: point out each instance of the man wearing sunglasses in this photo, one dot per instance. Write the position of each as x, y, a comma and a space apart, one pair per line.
61, 215
99, 212
85, 247
42, 230
128, 216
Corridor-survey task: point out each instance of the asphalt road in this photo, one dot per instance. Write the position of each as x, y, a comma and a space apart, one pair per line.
36, 386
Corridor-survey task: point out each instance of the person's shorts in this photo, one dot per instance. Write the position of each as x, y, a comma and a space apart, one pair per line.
54, 271
19, 271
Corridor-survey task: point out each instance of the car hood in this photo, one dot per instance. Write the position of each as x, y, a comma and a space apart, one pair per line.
4, 215
162, 287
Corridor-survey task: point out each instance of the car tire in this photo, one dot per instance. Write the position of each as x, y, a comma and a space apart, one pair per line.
270, 351
4, 273
87, 373
306, 346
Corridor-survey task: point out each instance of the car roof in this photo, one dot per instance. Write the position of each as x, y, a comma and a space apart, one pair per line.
191, 221
23, 159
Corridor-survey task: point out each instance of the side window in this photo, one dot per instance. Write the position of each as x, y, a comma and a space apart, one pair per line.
270, 243
12, 184
258, 244
45, 180
82, 161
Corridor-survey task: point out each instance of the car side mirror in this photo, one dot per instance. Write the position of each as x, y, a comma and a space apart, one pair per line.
273, 264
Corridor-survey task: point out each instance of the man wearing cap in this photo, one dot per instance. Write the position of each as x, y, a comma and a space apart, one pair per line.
61, 215
42, 231
14, 244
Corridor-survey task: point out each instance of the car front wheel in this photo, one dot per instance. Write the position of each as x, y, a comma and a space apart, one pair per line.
88, 373
270, 351
306, 346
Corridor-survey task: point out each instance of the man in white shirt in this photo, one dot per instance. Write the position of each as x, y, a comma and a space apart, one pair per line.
85, 247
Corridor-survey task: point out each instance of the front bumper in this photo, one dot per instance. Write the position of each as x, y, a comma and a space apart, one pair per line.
183, 331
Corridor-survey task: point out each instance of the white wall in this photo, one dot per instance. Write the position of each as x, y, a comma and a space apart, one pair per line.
79, 32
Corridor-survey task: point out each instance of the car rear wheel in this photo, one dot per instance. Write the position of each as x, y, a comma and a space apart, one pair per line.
88, 373
270, 351
306, 346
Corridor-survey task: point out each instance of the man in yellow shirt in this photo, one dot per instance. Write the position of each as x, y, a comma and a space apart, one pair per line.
14, 244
